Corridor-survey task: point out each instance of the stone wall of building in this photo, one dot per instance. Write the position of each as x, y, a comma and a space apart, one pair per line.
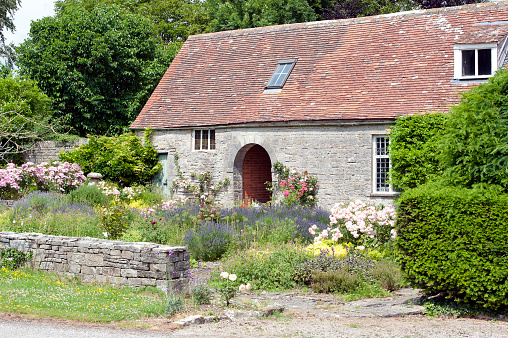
115, 262
340, 155
47, 151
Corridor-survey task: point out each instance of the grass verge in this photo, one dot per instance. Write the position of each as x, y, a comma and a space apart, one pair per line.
50, 295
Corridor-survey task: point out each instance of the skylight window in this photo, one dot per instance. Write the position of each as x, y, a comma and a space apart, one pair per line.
281, 74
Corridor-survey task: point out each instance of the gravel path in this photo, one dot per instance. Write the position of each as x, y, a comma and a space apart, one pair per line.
305, 315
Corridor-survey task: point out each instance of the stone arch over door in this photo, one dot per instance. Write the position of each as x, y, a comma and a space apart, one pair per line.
252, 168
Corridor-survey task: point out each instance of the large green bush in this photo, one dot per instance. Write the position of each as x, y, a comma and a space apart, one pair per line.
413, 149
454, 240
474, 142
125, 159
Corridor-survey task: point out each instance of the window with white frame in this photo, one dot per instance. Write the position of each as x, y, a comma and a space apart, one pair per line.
281, 74
204, 139
475, 61
381, 165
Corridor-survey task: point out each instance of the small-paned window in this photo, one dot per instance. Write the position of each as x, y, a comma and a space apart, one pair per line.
475, 61
204, 139
381, 165
281, 74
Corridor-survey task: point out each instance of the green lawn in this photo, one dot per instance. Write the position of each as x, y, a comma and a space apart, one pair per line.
51, 295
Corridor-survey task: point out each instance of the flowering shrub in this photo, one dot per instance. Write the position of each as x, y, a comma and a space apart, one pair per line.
360, 224
296, 188
323, 248
17, 181
125, 194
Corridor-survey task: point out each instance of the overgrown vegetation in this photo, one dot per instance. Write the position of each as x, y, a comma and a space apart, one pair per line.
125, 160
414, 150
452, 232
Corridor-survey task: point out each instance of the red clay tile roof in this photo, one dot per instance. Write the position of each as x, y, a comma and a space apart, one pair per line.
356, 69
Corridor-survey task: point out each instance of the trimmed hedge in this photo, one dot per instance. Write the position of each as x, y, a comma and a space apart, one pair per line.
455, 240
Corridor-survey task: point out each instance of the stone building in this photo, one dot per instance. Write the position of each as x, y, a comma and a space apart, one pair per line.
319, 96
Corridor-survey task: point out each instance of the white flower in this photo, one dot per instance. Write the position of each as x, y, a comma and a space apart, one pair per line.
224, 274
105, 234
248, 286
360, 247
241, 288
232, 277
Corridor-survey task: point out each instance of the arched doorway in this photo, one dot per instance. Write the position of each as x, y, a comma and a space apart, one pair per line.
255, 167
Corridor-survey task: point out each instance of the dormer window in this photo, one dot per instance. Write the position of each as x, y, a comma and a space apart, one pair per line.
281, 74
475, 61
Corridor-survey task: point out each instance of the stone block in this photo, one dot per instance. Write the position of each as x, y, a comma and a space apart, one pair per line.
46, 266
115, 252
88, 270
129, 273
108, 271
148, 281
117, 280
74, 268
134, 282
127, 254
94, 260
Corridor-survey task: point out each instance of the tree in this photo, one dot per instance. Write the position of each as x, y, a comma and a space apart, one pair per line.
474, 141
173, 20
7, 9
25, 116
238, 14
98, 66
425, 4
343, 9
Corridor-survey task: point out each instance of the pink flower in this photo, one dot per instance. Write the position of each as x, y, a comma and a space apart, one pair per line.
286, 193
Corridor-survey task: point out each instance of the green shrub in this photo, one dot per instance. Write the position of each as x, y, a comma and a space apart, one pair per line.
354, 262
125, 159
267, 267
454, 240
13, 259
114, 220
334, 281
89, 194
201, 295
413, 149
388, 275
474, 143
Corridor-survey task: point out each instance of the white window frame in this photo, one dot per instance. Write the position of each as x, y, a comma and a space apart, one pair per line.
457, 50
199, 145
375, 156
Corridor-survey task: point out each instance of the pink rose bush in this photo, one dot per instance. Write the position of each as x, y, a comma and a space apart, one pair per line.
359, 223
297, 188
17, 181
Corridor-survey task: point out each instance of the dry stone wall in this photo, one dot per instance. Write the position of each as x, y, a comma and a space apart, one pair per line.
115, 262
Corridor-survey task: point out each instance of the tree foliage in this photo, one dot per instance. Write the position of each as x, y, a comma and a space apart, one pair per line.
426, 4
413, 150
125, 159
474, 142
7, 9
98, 66
343, 9
172, 20
25, 116
238, 14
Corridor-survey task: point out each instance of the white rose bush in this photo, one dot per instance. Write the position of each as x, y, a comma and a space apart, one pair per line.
359, 223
